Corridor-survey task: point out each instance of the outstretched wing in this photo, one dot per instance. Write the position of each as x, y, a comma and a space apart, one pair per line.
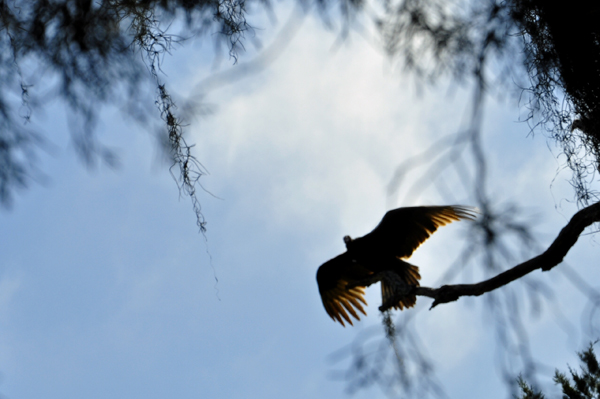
403, 230
333, 277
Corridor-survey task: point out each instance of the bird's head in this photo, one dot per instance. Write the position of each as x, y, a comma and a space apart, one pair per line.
347, 240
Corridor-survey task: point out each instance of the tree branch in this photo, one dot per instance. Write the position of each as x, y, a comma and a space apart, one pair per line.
547, 260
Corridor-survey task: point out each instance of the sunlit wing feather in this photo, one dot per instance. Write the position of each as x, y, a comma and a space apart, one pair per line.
333, 277
403, 230
339, 302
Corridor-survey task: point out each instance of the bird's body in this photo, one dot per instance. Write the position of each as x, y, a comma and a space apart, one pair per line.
398, 235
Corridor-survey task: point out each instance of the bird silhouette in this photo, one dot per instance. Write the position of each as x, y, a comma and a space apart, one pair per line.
380, 255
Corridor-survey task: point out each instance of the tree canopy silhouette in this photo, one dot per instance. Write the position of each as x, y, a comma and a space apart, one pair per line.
95, 53
583, 385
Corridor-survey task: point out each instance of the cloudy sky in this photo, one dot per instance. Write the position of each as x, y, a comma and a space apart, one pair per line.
107, 289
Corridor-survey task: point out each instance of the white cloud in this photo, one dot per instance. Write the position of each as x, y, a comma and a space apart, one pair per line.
320, 136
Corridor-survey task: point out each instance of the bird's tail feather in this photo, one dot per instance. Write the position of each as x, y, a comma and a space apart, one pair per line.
409, 274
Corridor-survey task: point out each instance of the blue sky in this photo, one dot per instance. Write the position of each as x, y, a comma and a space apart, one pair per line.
108, 290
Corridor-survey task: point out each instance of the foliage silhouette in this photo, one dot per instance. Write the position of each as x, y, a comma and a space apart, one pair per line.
91, 54
583, 385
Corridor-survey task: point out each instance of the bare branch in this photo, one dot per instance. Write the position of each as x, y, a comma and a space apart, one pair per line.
547, 260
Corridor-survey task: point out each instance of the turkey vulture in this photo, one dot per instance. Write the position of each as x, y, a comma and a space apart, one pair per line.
398, 235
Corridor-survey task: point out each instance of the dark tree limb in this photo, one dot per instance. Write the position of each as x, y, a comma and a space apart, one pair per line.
547, 260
